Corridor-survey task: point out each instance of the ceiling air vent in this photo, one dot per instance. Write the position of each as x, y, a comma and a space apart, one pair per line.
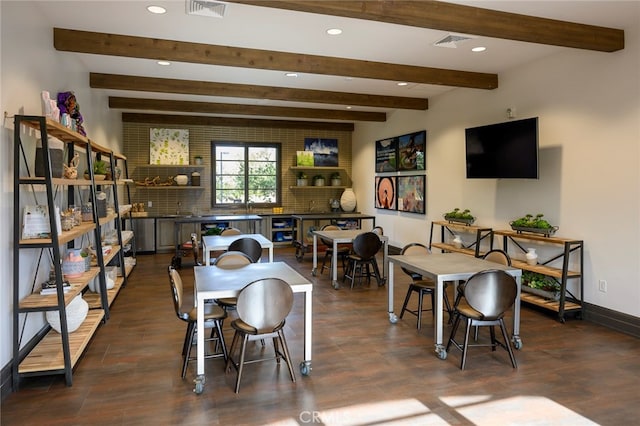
213, 9
452, 40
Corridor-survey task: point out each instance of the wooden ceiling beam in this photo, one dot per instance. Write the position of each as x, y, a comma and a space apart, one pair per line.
201, 120
171, 50
457, 18
240, 109
206, 88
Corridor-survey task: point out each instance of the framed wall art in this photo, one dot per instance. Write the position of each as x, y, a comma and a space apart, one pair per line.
411, 194
385, 192
169, 146
386, 155
411, 151
325, 151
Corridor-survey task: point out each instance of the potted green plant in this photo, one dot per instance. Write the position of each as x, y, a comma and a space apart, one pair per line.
540, 285
302, 179
336, 179
198, 159
100, 169
535, 224
318, 180
460, 216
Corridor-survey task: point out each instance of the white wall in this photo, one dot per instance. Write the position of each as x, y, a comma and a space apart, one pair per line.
30, 65
589, 109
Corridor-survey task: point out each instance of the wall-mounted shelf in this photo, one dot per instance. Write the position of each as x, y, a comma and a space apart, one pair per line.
169, 187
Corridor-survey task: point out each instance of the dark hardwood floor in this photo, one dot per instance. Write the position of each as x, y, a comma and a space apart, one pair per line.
366, 371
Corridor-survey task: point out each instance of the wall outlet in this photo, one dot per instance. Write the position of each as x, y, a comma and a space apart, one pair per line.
602, 286
149, 203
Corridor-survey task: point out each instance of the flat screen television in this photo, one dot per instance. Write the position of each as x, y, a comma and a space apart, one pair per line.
503, 151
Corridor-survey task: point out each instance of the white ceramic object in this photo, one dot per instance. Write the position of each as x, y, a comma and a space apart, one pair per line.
532, 256
348, 200
181, 180
77, 311
457, 242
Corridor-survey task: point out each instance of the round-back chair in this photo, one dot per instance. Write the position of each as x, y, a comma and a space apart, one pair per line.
489, 294
365, 247
262, 308
231, 260
231, 231
343, 249
249, 246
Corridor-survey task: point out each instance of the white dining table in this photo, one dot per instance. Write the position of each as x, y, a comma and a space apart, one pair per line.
344, 236
441, 267
212, 243
212, 282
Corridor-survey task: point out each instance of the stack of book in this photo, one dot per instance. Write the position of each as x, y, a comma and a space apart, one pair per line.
50, 287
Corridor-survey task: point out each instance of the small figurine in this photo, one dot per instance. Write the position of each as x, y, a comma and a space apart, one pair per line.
71, 171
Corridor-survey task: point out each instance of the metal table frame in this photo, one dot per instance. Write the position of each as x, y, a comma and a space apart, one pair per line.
342, 237
441, 267
212, 282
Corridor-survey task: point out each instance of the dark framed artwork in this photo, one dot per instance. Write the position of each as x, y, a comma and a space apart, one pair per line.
386, 155
411, 194
411, 151
386, 192
325, 151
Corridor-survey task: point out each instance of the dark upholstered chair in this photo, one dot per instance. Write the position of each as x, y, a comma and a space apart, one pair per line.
251, 247
488, 295
421, 286
262, 308
365, 247
214, 316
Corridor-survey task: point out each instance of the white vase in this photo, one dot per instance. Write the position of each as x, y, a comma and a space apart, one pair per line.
457, 242
348, 200
532, 256
77, 311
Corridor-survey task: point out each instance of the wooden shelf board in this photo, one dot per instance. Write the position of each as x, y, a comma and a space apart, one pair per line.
535, 237
48, 353
453, 249
545, 270
64, 237
37, 300
460, 226
552, 305
107, 257
327, 168
94, 301
169, 187
59, 131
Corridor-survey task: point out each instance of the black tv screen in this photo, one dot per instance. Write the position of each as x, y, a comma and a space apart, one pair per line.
503, 151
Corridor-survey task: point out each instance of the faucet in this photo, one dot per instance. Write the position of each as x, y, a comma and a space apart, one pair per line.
178, 205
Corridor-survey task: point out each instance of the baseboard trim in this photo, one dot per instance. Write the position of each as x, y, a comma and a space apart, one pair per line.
614, 320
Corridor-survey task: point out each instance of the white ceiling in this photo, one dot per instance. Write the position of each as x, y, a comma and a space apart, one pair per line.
297, 32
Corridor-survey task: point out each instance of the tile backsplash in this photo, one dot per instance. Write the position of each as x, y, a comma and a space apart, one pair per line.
170, 200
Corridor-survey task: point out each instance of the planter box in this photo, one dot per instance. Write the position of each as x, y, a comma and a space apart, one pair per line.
552, 295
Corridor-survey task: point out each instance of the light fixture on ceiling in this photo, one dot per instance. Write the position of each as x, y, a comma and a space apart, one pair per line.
158, 10
214, 9
453, 40
479, 49
291, 74
163, 63
403, 83
334, 31
348, 107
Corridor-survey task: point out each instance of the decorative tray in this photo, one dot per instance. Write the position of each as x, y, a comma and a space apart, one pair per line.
460, 220
547, 232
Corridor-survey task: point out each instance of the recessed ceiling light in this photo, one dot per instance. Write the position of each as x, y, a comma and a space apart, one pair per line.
164, 63
349, 107
403, 83
291, 74
479, 49
334, 31
156, 9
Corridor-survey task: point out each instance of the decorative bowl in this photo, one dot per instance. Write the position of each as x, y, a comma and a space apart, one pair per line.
181, 180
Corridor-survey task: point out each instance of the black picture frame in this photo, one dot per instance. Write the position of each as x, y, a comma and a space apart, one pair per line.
411, 194
385, 192
412, 151
387, 155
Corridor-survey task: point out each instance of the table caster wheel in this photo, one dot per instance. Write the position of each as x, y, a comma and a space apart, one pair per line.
393, 318
335, 285
441, 353
305, 368
314, 272
517, 342
199, 385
